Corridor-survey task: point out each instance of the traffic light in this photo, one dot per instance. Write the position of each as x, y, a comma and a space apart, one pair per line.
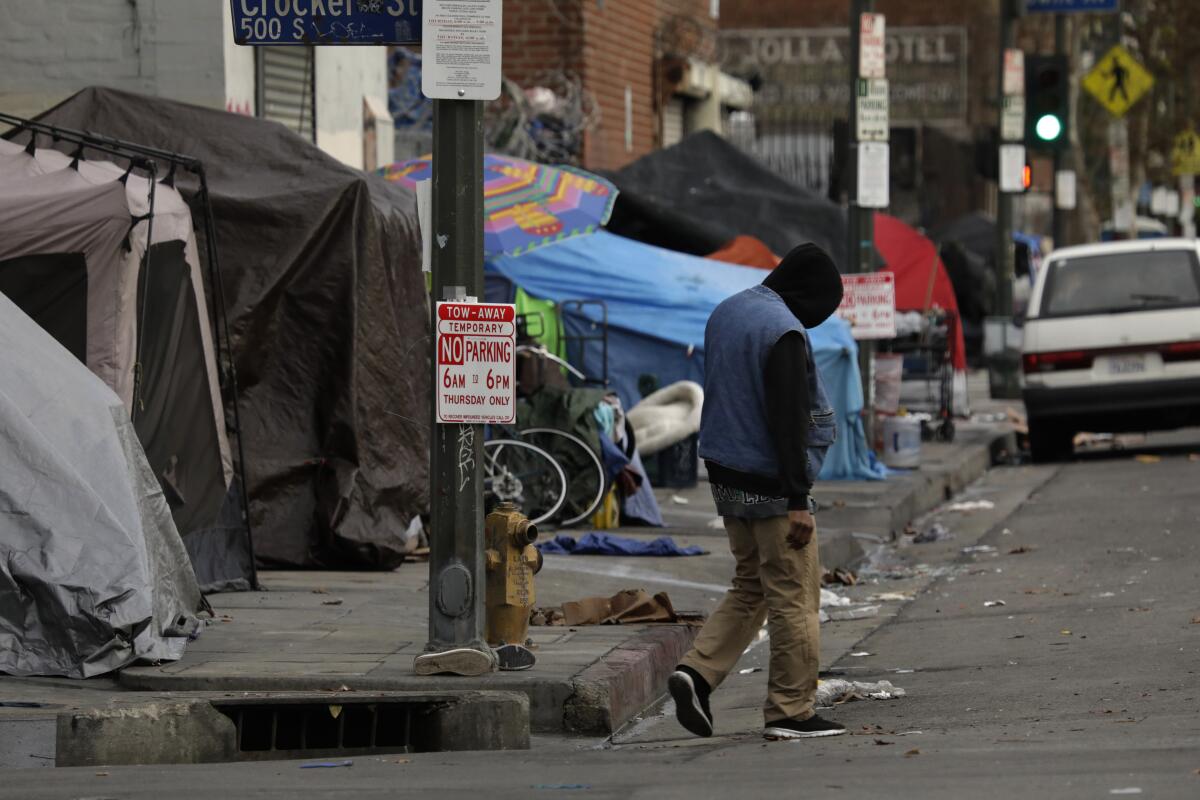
1047, 102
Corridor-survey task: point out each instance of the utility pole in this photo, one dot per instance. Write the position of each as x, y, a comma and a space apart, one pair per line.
458, 80
456, 566
860, 245
1062, 155
1005, 251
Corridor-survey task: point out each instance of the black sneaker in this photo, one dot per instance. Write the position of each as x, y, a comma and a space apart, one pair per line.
690, 692
810, 728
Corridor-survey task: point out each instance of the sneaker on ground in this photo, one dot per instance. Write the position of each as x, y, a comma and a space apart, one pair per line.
690, 692
810, 728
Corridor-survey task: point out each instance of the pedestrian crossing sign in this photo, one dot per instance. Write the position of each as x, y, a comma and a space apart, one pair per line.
1185, 158
1118, 81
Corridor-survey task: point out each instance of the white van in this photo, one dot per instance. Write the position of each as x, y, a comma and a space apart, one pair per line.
1112, 342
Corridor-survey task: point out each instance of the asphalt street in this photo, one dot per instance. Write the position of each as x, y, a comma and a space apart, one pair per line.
1058, 658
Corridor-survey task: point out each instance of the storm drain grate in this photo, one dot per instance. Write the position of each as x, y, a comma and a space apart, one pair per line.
302, 728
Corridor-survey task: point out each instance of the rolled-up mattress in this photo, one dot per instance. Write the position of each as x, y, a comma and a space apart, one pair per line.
667, 417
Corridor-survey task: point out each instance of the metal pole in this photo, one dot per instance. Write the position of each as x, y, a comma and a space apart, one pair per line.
456, 552
1061, 155
860, 245
1005, 252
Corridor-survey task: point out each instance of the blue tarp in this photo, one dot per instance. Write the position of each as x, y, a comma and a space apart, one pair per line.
606, 544
658, 304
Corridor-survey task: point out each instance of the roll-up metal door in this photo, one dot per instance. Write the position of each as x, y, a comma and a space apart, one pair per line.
286, 88
673, 114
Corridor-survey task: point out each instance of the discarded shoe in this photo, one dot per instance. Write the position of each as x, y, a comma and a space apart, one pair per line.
514, 658
690, 692
810, 728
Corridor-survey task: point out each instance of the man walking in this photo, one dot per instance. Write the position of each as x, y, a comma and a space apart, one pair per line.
765, 429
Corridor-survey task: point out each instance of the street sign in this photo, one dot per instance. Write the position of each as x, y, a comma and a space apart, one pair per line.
1068, 6
1185, 157
873, 175
1014, 72
1118, 81
872, 53
476, 363
869, 305
872, 112
1012, 168
1012, 118
322, 22
1064, 190
460, 58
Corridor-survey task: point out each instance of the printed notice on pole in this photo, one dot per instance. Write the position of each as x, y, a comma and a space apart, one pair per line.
872, 53
873, 174
476, 363
872, 116
1012, 168
869, 305
461, 49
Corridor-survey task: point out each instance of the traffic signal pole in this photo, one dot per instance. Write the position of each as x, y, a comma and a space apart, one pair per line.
1062, 154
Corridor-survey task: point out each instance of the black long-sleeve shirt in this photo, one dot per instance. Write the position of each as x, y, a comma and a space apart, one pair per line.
789, 412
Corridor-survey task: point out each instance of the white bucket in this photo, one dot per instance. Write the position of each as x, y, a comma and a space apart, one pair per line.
902, 442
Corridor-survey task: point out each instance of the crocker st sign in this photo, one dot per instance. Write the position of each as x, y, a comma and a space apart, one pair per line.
318, 22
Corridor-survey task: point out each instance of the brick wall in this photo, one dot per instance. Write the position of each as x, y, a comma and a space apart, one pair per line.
612, 45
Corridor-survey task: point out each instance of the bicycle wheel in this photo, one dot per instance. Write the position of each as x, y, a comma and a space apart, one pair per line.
525, 475
586, 482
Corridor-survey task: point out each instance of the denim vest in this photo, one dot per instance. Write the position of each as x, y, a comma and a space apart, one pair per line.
733, 428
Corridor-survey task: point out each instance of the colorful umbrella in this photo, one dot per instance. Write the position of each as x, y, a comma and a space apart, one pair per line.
527, 205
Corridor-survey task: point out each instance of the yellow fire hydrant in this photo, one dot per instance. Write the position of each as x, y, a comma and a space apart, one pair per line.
512, 561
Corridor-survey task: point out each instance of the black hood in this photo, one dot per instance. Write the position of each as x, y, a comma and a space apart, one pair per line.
809, 282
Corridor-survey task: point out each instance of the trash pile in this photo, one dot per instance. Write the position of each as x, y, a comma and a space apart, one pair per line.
627, 607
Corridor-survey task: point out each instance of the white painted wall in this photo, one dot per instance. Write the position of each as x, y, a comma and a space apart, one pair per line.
179, 49
50, 49
240, 71
345, 76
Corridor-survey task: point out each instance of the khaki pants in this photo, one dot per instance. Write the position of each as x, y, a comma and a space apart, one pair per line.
775, 583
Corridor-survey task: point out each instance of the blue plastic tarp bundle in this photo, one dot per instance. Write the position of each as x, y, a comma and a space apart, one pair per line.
607, 544
658, 303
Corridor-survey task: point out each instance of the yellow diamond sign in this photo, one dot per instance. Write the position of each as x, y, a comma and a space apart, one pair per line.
1118, 81
1185, 159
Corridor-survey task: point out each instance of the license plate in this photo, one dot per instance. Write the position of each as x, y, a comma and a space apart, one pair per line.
1126, 365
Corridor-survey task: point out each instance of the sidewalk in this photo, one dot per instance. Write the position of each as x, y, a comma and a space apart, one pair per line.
339, 631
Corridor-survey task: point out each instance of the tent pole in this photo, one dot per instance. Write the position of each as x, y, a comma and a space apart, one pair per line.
214, 266
144, 282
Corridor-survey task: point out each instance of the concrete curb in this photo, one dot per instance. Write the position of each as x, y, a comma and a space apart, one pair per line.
598, 700
191, 730
626, 680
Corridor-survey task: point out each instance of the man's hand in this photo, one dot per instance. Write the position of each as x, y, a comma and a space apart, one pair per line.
801, 530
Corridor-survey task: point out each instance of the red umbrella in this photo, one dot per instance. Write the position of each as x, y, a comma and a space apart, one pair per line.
922, 282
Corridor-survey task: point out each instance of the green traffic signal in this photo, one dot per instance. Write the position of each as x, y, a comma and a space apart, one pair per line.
1049, 127
1047, 101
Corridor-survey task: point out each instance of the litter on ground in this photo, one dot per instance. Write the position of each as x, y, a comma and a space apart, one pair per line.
833, 600
936, 532
968, 506
836, 691
858, 612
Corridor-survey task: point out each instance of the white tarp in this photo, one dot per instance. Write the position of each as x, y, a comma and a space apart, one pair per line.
93, 574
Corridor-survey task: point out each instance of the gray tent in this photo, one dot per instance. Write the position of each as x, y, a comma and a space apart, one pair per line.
74, 236
93, 574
